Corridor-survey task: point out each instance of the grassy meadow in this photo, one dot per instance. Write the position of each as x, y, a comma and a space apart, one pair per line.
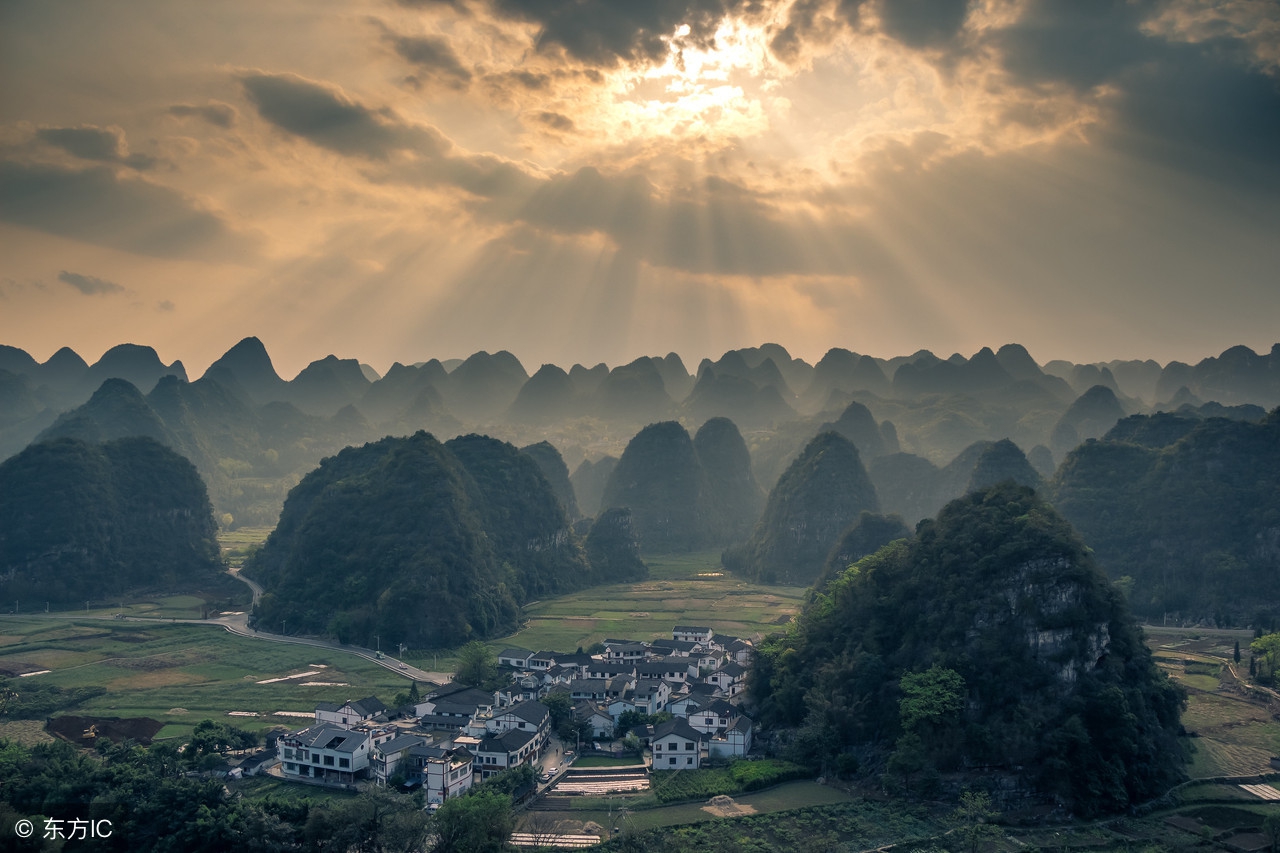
682, 589
181, 674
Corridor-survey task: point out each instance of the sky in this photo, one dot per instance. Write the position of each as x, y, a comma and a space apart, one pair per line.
595, 180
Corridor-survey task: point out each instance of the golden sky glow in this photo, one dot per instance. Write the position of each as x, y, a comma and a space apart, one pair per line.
593, 181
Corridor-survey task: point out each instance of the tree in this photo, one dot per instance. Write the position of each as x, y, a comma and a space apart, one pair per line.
973, 819
930, 699
477, 664
1267, 651
478, 823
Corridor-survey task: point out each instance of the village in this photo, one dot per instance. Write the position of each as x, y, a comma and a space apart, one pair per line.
679, 699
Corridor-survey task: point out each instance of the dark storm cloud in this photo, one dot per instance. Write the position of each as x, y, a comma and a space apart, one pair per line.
89, 285
103, 145
915, 23
331, 120
221, 115
607, 32
433, 58
1201, 105
98, 206
328, 118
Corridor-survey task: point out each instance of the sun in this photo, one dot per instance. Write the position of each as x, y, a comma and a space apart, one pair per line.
714, 92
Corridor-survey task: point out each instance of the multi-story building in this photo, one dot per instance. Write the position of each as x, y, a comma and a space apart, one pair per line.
325, 752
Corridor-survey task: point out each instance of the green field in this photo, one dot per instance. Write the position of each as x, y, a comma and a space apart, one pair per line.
789, 795
1234, 735
682, 589
181, 674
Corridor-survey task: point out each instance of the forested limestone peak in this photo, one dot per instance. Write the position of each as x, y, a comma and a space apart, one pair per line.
820, 494
989, 640
81, 521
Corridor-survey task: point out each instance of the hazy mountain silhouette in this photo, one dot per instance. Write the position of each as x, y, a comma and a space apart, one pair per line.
660, 480
249, 365
589, 480
325, 386
552, 466
549, 395
823, 492
733, 498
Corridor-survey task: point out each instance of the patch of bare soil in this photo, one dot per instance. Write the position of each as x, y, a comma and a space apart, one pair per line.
85, 731
722, 806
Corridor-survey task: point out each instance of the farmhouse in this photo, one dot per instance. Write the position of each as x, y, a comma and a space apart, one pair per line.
349, 713
326, 752
676, 746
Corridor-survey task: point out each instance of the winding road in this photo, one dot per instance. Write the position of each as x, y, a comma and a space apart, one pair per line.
238, 623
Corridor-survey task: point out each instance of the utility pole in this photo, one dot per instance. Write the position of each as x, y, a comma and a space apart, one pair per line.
282, 624
378, 640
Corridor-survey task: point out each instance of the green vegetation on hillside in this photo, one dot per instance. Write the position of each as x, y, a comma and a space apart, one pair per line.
685, 493
419, 543
998, 602
819, 496
81, 521
1196, 523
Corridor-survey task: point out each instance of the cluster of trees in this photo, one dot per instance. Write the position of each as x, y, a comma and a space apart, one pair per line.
83, 521
990, 639
152, 805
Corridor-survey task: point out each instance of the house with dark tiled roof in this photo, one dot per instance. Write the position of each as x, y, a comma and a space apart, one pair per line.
515, 657
628, 651
454, 701
324, 751
585, 711
691, 633
610, 669
677, 746
730, 678
444, 770
733, 742
675, 671
498, 752
350, 713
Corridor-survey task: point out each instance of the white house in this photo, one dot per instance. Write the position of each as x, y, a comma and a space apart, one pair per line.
388, 757
730, 678
691, 634
733, 742
676, 746
515, 657
496, 753
349, 713
445, 771
676, 671
713, 716
626, 651
532, 717
326, 752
